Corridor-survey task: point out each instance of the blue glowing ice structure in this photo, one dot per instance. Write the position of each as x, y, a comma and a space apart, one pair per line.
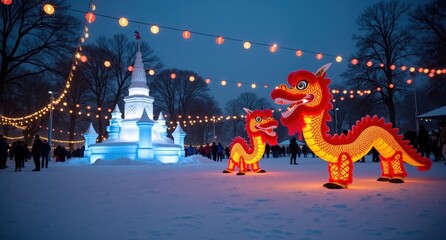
137, 136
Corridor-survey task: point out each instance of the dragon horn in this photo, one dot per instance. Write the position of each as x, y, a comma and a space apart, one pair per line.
248, 111
323, 69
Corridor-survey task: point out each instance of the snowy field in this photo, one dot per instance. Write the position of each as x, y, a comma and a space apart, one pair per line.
194, 200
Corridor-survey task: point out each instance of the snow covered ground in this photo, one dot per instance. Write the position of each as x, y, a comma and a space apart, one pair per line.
195, 200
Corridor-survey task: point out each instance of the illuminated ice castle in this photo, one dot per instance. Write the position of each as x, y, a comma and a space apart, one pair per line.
138, 136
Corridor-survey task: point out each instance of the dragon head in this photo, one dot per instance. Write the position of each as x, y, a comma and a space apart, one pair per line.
261, 123
307, 95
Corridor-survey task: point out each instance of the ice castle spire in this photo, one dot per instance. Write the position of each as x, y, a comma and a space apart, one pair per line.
138, 85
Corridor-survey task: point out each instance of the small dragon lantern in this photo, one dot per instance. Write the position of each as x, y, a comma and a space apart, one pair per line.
260, 126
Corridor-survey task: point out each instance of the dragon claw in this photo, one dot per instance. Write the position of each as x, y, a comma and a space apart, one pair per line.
334, 186
261, 171
396, 180
383, 179
226, 171
240, 173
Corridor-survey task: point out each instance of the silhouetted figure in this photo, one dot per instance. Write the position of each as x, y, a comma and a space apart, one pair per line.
3, 152
19, 150
423, 141
45, 153
36, 150
375, 155
62, 154
267, 150
293, 150
220, 151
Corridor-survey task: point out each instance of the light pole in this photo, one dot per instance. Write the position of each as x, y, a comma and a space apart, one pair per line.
50, 128
415, 101
214, 130
336, 119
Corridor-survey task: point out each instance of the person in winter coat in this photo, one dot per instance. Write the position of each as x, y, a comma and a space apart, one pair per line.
294, 148
37, 152
19, 150
45, 153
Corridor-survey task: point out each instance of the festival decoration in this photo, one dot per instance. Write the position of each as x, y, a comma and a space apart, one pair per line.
260, 126
48, 9
308, 98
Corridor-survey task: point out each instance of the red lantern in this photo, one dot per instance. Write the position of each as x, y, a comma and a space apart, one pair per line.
130, 68
186, 34
369, 63
354, 61
83, 58
299, 53
7, 2
90, 17
319, 56
219, 40
173, 76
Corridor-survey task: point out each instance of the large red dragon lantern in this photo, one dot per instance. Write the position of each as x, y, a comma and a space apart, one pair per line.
260, 126
308, 97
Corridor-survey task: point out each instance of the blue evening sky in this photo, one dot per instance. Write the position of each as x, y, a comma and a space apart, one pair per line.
311, 25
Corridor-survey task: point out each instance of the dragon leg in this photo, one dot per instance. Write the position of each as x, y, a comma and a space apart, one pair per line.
242, 167
231, 166
393, 168
340, 172
256, 168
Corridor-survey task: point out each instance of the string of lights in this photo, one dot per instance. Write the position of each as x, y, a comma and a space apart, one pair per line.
186, 34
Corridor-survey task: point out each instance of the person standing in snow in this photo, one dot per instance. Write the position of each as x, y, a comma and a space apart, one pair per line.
36, 150
293, 151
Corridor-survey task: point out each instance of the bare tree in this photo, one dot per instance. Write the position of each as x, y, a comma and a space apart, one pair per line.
429, 22
30, 39
383, 39
121, 53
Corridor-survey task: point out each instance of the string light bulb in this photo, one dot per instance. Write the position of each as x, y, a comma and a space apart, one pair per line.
48, 9
123, 22
154, 29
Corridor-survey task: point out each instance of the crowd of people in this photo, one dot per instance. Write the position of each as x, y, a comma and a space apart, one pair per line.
40, 153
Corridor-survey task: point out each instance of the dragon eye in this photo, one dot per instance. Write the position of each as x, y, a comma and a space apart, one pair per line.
302, 85
258, 119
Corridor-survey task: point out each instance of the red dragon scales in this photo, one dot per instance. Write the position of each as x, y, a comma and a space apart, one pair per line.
260, 126
308, 97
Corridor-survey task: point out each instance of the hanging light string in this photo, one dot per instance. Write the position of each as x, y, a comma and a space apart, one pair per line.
49, 10
90, 17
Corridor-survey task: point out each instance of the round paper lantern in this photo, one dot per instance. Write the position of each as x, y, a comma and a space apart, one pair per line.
412, 69
191, 78
273, 48
391, 85
223, 82
123, 22
239, 84
369, 63
409, 81
48, 8
381, 65
154, 29
319, 56
393, 67
173, 76
354, 61
130, 68
151, 72
7, 2
431, 75
220, 40
90, 17
253, 85
107, 63
299, 53
207, 81
338, 59
186, 34
247, 45
83, 58
403, 68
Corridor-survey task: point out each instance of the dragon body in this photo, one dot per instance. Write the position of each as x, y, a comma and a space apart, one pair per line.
308, 98
260, 126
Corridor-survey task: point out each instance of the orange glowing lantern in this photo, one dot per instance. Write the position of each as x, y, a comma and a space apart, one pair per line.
378, 89
191, 78
48, 9
319, 56
7, 2
381, 65
426, 70
403, 68
130, 68
90, 17
107, 63
173, 76
207, 81
392, 67
273, 48
412, 69
219, 40
420, 70
186, 34
431, 75
391, 85
299, 53
151, 72
409, 81
354, 61
239, 84
83, 58
369, 63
